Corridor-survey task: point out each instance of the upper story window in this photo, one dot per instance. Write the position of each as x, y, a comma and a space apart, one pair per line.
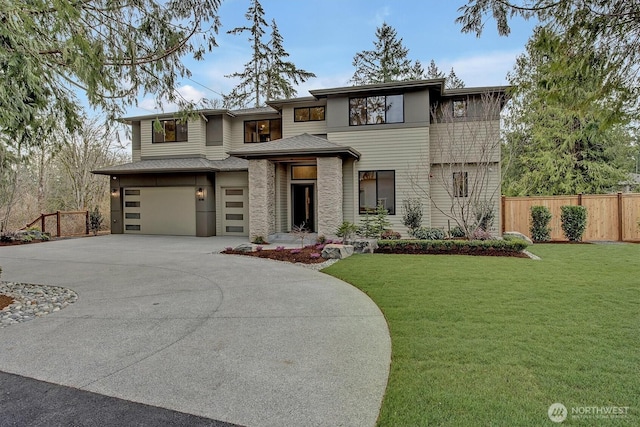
459, 108
308, 114
373, 110
170, 131
262, 130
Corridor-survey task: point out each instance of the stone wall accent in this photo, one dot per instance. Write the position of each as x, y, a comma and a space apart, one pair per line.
330, 213
262, 198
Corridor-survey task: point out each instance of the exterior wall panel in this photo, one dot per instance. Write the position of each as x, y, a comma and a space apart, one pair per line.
293, 128
406, 151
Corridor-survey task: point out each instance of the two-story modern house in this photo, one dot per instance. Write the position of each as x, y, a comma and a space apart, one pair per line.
317, 160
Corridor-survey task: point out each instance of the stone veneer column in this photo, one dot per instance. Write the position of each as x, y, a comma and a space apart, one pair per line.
330, 214
262, 198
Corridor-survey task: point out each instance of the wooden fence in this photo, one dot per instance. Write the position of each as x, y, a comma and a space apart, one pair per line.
76, 222
609, 216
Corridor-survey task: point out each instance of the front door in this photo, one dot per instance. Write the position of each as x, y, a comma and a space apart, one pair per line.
303, 208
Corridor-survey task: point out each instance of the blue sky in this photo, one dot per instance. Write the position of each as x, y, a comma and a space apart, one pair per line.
323, 36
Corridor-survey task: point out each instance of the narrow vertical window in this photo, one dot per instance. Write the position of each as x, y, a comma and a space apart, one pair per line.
460, 184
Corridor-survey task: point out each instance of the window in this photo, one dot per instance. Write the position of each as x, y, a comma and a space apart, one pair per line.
460, 184
374, 110
459, 108
304, 172
262, 130
170, 131
308, 114
377, 187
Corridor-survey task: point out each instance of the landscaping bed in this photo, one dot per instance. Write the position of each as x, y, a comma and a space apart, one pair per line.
310, 254
509, 248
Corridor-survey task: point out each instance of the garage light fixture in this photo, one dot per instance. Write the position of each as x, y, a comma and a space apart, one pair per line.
200, 194
114, 192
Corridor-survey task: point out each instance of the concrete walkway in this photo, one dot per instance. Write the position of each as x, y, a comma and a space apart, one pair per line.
166, 322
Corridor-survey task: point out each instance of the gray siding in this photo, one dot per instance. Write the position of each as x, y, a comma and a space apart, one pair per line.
406, 151
293, 128
443, 203
465, 142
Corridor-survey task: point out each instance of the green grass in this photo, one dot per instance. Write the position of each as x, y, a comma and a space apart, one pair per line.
495, 341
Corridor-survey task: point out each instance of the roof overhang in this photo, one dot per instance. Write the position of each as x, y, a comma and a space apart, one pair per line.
178, 166
403, 86
304, 145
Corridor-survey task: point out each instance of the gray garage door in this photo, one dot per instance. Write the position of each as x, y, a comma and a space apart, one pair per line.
160, 210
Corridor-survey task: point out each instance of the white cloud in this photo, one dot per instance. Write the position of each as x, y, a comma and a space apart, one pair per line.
186, 92
381, 16
486, 69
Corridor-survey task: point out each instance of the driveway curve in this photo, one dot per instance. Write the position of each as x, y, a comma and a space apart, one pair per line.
168, 322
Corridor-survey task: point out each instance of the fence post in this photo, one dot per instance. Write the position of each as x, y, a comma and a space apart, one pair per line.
42, 222
620, 218
503, 215
579, 199
58, 222
86, 223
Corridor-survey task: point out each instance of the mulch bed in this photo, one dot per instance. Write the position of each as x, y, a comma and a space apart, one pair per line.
303, 255
5, 301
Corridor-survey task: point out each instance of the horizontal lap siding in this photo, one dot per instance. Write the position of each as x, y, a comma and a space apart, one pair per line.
193, 147
293, 128
442, 201
136, 155
463, 142
403, 150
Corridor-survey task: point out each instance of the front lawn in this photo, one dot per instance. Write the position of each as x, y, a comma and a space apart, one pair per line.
495, 341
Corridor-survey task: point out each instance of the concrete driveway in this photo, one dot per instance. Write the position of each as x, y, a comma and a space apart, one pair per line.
167, 322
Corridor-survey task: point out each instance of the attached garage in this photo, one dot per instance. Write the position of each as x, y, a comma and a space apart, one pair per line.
160, 210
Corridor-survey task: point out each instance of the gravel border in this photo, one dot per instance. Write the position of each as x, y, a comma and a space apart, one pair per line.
33, 301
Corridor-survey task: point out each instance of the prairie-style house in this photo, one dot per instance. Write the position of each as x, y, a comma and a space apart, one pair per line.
315, 161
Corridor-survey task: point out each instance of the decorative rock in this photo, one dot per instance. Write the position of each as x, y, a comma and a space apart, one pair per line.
32, 301
333, 251
245, 247
364, 246
517, 235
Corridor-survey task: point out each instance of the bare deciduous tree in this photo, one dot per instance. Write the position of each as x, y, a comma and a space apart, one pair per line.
463, 167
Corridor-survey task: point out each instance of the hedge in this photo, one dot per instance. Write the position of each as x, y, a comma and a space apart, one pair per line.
478, 247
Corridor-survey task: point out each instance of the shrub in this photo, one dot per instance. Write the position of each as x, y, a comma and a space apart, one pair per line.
346, 230
314, 255
540, 218
457, 232
95, 221
574, 222
412, 214
259, 248
484, 215
473, 247
480, 234
428, 233
390, 235
259, 240
279, 248
301, 232
321, 239
375, 222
